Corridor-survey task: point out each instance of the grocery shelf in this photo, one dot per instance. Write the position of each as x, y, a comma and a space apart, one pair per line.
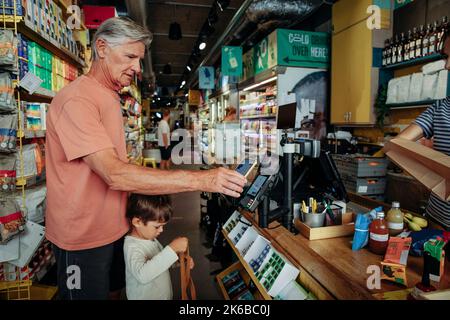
405, 105
414, 62
59, 52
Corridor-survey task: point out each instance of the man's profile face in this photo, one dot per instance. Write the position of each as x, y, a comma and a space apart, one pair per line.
123, 62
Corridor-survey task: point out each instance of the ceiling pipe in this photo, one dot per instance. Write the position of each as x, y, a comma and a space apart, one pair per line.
137, 10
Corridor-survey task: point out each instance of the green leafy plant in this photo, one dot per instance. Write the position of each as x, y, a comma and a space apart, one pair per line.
381, 108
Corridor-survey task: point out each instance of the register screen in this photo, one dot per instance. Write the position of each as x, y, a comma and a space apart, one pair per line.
256, 186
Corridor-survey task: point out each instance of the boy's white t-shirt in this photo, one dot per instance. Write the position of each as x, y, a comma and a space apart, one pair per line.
147, 265
163, 127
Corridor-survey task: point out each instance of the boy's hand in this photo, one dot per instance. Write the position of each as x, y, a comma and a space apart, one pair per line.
191, 263
179, 245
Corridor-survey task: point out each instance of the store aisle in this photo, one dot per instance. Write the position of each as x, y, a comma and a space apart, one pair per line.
185, 222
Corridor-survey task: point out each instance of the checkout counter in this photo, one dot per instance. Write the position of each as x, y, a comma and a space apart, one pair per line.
329, 269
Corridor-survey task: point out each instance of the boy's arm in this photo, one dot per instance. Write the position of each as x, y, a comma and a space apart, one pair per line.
145, 270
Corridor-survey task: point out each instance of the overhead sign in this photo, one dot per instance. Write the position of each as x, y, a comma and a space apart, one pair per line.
303, 48
206, 77
401, 3
232, 61
194, 97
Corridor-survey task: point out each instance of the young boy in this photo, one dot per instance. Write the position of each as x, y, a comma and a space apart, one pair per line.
147, 263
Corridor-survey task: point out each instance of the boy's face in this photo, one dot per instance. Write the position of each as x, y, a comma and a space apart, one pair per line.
149, 231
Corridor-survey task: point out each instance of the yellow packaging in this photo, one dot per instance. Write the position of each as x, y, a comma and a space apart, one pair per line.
394, 272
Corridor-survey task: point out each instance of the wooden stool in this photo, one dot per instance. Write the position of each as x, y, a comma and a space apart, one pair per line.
149, 160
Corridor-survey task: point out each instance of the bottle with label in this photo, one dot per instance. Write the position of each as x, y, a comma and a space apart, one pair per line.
442, 30
412, 45
389, 52
433, 39
426, 41
407, 46
419, 40
400, 48
424, 285
395, 219
378, 235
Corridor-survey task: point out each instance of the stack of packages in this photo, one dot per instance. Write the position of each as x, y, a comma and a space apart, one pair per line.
11, 217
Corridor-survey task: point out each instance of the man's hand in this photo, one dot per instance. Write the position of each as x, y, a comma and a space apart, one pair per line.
221, 180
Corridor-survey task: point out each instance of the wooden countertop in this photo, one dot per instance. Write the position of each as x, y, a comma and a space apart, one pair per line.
333, 264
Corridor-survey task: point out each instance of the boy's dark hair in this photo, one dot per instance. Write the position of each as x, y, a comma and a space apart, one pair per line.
148, 208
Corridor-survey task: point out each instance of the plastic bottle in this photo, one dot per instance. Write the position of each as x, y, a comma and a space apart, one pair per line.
378, 235
395, 219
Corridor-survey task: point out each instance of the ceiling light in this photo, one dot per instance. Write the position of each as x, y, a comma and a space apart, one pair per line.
202, 46
260, 84
175, 31
223, 4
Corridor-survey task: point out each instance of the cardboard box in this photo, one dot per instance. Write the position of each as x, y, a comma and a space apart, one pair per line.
428, 166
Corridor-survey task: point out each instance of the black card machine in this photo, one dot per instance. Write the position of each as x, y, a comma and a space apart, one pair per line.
256, 193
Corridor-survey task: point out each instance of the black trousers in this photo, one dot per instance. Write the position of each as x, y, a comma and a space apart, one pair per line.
90, 274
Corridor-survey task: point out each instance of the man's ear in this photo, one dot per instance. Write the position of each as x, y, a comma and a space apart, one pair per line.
102, 48
136, 222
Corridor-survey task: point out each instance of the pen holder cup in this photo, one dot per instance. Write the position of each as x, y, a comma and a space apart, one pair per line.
313, 220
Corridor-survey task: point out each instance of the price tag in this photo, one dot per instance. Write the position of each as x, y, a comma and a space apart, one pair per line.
362, 189
30, 82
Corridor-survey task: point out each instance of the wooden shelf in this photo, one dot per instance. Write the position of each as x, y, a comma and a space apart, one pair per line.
416, 104
414, 62
249, 270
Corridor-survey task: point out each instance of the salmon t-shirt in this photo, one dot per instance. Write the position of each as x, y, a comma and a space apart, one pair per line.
82, 211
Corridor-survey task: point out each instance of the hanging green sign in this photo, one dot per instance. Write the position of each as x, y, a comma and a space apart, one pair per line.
298, 48
232, 61
401, 3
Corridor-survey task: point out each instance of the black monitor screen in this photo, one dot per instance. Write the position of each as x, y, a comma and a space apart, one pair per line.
286, 116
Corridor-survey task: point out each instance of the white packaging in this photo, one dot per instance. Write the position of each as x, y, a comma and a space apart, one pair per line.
392, 94
403, 89
429, 86
433, 67
415, 88
442, 84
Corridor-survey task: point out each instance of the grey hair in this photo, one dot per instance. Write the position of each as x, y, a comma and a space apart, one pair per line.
120, 30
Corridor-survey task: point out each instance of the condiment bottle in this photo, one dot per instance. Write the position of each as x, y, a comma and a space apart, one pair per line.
424, 285
378, 235
395, 219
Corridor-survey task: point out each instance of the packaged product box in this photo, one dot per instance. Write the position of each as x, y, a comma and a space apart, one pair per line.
428, 166
436, 248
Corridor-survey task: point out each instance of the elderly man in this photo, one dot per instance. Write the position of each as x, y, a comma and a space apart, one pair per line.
88, 175
435, 122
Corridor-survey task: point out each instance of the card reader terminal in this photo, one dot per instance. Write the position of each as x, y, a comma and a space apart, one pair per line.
256, 193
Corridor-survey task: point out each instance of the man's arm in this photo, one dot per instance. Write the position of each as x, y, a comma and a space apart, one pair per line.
123, 176
413, 133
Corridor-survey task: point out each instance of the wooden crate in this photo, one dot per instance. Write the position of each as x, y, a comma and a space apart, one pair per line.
346, 229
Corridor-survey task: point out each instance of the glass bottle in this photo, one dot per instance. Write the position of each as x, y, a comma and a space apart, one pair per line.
424, 285
395, 219
442, 30
412, 44
400, 48
394, 50
378, 235
433, 39
389, 53
419, 39
426, 41
407, 46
